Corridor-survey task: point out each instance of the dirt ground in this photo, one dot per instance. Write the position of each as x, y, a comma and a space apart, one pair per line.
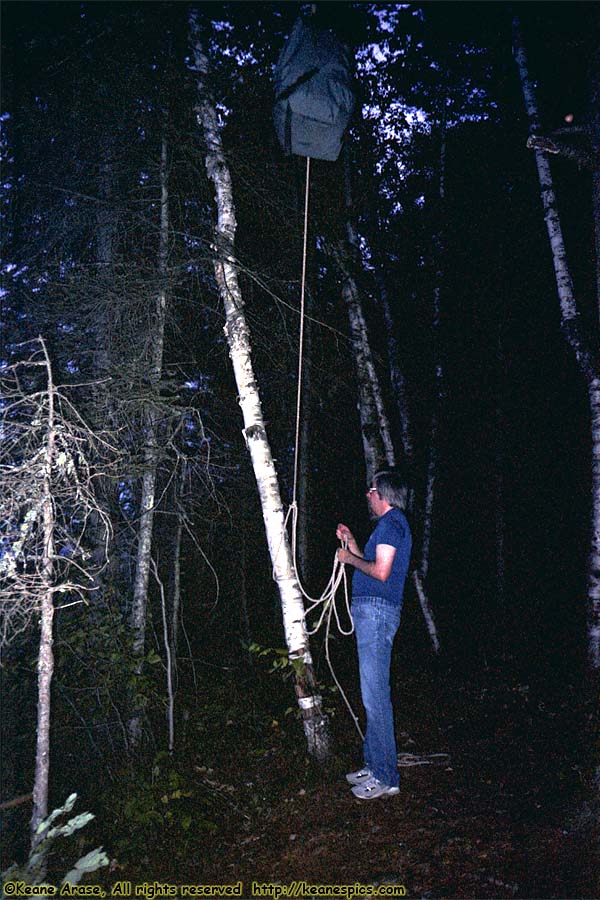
503, 813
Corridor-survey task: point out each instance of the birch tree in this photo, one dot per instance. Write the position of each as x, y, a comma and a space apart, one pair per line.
255, 435
586, 353
376, 433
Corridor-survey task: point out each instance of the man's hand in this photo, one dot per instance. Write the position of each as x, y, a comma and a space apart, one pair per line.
343, 533
345, 556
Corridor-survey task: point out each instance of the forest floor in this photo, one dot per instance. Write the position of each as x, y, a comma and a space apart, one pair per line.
502, 815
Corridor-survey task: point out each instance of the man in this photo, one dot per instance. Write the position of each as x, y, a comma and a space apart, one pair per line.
377, 589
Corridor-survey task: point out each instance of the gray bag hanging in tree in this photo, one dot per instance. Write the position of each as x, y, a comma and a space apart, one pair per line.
313, 93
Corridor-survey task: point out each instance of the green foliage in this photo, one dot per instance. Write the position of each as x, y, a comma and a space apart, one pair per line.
279, 659
281, 662
96, 670
34, 870
166, 806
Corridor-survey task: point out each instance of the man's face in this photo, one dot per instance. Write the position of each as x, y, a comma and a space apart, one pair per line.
374, 502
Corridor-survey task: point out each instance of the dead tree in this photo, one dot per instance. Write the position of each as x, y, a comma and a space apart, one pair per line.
46, 506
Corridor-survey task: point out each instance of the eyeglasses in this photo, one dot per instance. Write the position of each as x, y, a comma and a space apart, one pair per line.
371, 490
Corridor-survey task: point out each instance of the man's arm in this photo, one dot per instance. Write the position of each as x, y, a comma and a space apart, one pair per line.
380, 568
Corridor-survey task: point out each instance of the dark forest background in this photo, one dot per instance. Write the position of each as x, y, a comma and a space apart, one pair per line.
90, 90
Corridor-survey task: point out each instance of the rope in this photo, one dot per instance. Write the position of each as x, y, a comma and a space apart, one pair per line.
328, 602
301, 340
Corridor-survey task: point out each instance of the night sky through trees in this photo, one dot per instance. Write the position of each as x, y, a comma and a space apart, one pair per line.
90, 90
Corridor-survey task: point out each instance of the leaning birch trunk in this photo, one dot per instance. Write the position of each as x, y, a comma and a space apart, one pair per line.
46, 652
588, 359
375, 427
397, 378
371, 396
144, 548
237, 332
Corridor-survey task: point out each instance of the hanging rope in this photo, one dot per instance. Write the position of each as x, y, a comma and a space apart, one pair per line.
301, 339
328, 598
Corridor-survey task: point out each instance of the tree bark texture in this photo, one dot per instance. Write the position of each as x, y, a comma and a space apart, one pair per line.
397, 378
238, 337
588, 359
144, 547
594, 127
176, 565
376, 436
46, 652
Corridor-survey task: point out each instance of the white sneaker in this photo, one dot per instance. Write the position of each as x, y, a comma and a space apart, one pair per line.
372, 788
360, 776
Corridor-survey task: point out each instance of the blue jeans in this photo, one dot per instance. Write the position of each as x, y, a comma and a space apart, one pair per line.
376, 622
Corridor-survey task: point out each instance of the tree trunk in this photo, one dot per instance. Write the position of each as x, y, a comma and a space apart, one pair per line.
594, 126
376, 433
375, 427
144, 547
397, 378
176, 571
588, 359
45, 653
238, 337
440, 391
377, 450
396, 374
500, 513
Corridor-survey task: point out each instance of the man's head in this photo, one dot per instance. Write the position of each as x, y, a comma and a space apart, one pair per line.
390, 488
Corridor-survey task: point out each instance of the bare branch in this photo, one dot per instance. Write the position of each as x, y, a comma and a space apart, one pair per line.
540, 142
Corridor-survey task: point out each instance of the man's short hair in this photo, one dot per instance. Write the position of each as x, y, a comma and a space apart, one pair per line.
391, 486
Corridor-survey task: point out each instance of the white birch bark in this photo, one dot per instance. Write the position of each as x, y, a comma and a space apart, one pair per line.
371, 406
377, 445
588, 360
144, 547
46, 652
238, 337
397, 378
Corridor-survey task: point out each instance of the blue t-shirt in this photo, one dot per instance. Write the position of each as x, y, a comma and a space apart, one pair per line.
392, 529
